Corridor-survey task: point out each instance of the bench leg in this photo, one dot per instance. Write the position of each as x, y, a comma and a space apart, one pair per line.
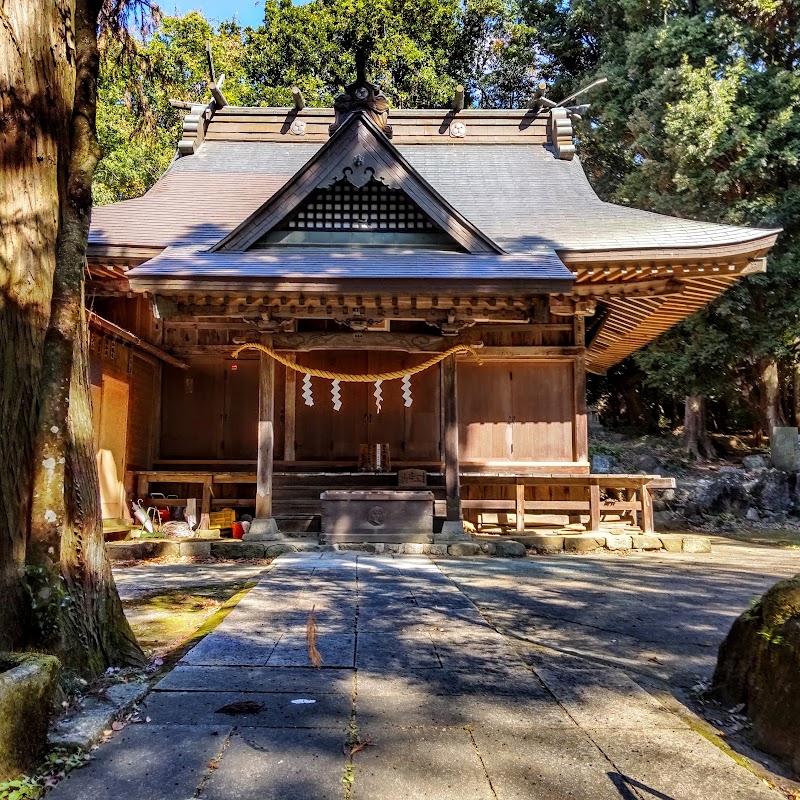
647, 510
594, 508
520, 506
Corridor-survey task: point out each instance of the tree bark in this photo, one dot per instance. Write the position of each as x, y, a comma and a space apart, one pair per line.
771, 404
75, 598
695, 434
37, 87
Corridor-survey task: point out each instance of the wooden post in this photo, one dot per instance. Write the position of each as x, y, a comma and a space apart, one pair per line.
266, 432
205, 505
647, 509
290, 410
594, 507
581, 441
450, 439
520, 506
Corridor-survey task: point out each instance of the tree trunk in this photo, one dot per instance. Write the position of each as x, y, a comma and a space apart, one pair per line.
695, 435
75, 598
770, 394
36, 94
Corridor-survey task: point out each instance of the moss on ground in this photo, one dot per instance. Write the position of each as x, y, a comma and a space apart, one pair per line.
163, 622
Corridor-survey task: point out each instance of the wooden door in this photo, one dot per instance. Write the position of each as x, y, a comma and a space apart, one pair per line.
411, 432
240, 418
192, 410
542, 409
484, 410
321, 433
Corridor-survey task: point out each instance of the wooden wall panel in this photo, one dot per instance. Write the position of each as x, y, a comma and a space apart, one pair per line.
142, 383
322, 434
412, 433
484, 410
543, 411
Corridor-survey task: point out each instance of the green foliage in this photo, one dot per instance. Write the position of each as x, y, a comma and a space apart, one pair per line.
700, 118
418, 52
53, 769
21, 789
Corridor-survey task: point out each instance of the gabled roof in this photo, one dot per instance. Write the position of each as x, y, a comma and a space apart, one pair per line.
496, 179
357, 152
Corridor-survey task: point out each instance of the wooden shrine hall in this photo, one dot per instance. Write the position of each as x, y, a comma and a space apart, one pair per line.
414, 297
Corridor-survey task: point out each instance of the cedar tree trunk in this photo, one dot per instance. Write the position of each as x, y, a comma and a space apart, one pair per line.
695, 435
75, 599
37, 88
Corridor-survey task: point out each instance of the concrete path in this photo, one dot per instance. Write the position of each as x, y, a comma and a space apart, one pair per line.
655, 615
449, 708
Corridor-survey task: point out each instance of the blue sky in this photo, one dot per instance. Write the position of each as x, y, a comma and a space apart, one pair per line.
248, 12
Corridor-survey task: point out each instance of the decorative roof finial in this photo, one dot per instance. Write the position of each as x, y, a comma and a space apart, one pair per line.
362, 95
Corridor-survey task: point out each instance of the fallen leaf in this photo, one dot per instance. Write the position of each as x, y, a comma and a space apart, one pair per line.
117, 725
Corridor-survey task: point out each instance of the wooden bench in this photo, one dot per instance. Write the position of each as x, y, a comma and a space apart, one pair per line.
637, 490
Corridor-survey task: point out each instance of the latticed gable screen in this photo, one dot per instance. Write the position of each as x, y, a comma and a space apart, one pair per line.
372, 214
373, 207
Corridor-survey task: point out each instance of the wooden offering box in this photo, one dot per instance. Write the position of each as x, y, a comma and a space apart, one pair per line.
377, 516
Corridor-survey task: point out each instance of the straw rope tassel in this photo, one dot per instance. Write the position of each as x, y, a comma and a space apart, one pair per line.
370, 377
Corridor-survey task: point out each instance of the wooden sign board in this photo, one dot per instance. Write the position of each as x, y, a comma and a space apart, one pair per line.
412, 477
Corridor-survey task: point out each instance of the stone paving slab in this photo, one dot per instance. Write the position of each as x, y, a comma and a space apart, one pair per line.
516, 681
422, 764
145, 762
421, 709
258, 679
200, 708
547, 764
244, 649
393, 653
335, 650
280, 765
679, 764
606, 698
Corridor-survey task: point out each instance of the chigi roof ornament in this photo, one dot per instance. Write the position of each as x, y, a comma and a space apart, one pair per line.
362, 95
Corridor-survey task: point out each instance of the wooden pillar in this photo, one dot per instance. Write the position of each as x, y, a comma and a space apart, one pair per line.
266, 432
647, 510
581, 443
289, 411
452, 477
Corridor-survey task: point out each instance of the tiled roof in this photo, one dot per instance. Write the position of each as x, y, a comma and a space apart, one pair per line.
521, 196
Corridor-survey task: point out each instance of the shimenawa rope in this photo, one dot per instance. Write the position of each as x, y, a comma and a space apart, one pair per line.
351, 378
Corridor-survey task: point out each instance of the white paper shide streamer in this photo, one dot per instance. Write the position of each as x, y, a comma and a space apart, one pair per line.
406, 384
308, 395
378, 394
336, 395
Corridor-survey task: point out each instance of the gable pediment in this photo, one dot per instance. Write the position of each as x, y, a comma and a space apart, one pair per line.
382, 200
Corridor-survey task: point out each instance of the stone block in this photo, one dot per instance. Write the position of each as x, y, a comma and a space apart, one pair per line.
195, 549
618, 541
645, 542
393, 548
278, 549
439, 549
413, 548
263, 530
27, 684
130, 551
785, 449
165, 548
355, 547
508, 548
672, 544
696, 544
584, 544
754, 462
463, 549
379, 547
234, 549
547, 545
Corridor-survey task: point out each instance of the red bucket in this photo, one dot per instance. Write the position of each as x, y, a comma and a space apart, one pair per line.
238, 530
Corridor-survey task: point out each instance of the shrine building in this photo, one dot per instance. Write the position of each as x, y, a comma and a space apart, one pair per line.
450, 271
